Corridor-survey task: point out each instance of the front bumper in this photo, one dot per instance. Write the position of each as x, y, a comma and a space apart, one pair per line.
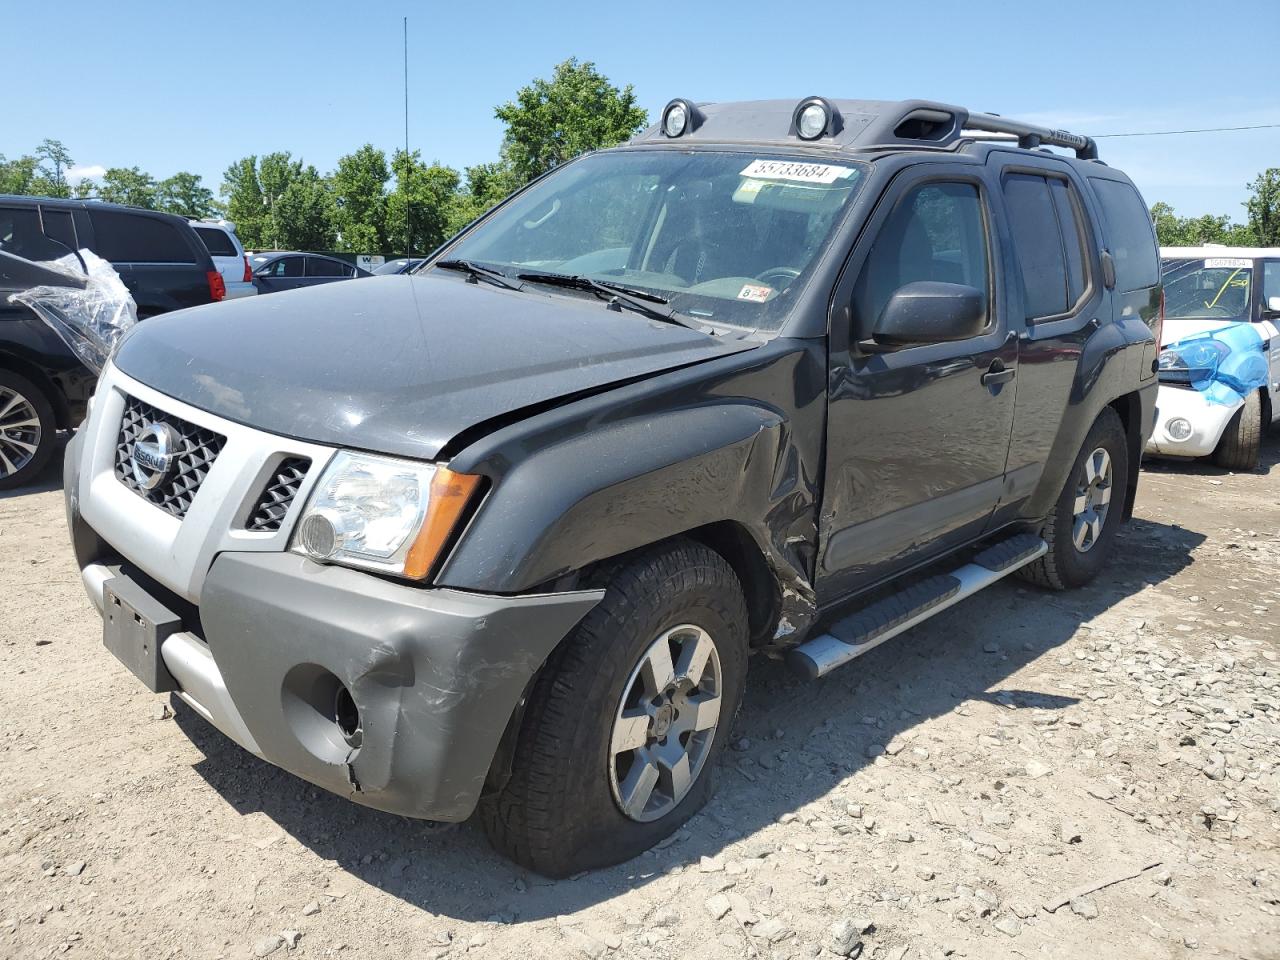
435, 674
1208, 420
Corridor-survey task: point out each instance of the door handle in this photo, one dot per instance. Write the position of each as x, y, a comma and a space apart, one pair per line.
998, 373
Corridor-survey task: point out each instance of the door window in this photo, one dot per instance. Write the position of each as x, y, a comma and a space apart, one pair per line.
20, 234
1048, 241
285, 267
324, 267
936, 232
1271, 285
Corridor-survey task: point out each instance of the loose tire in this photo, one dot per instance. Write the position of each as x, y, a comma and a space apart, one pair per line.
28, 430
1242, 439
598, 716
1084, 520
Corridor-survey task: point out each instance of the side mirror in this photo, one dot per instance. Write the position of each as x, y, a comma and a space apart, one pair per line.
1273, 304
929, 311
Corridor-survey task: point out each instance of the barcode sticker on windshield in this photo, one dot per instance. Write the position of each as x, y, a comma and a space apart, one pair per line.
800, 172
1234, 262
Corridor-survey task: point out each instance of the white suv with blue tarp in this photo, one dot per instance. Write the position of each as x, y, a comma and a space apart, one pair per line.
1219, 361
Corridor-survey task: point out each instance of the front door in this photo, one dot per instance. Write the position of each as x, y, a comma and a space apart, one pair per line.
917, 437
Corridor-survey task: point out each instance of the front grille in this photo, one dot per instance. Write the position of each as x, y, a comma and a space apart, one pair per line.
194, 453
282, 486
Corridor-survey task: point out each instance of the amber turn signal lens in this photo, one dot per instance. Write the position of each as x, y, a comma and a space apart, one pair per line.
450, 494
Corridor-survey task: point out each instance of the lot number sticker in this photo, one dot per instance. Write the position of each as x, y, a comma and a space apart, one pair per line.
798, 172
1229, 262
754, 293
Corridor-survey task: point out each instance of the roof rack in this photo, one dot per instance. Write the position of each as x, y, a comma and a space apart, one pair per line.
1031, 136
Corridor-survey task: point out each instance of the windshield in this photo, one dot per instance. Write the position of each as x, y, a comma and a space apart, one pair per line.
723, 237
1217, 287
395, 266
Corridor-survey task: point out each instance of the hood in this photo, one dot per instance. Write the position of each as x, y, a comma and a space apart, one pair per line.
399, 364
1179, 328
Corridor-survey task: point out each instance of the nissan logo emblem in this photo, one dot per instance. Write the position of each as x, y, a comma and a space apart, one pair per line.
154, 450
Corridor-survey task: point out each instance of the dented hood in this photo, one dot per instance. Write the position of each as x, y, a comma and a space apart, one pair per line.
399, 364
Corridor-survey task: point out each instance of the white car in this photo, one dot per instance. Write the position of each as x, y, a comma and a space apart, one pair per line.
228, 256
1219, 362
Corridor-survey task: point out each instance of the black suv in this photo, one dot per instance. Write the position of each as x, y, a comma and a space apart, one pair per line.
159, 257
773, 377
43, 387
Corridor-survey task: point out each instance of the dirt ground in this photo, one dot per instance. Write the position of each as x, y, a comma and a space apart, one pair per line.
956, 792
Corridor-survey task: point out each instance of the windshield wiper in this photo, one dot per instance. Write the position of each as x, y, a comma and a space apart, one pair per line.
618, 296
476, 272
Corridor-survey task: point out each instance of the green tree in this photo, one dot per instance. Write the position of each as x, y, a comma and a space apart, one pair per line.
360, 200
18, 175
487, 185
578, 109
54, 159
128, 185
420, 210
1264, 207
1175, 231
278, 202
186, 195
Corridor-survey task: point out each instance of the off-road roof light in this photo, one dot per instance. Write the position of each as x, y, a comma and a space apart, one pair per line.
679, 117
814, 117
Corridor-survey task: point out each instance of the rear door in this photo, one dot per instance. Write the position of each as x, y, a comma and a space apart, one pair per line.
326, 270
1056, 298
916, 437
282, 273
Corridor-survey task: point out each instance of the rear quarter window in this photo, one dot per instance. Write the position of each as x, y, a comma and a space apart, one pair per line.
1130, 237
124, 237
217, 241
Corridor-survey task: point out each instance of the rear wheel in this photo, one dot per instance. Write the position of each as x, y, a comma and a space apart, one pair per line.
28, 431
1088, 512
625, 722
1242, 439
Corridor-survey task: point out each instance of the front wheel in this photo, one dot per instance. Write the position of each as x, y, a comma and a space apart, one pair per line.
625, 722
1084, 520
1242, 439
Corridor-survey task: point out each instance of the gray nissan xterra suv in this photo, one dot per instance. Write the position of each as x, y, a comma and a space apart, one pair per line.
503, 532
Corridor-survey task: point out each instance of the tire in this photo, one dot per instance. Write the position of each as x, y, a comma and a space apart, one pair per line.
1067, 565
561, 811
28, 430
1242, 439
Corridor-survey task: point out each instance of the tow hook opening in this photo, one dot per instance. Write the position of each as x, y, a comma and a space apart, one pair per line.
347, 715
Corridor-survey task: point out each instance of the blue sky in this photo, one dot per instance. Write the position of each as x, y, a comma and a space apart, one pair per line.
170, 86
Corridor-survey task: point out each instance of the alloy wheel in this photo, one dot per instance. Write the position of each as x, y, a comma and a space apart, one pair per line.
20, 431
666, 723
1093, 500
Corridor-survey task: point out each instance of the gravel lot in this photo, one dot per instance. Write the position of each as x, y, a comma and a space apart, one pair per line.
954, 793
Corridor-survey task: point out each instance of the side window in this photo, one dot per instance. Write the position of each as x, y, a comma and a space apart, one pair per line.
125, 238
20, 234
1047, 241
57, 227
218, 242
936, 232
287, 267
1129, 235
1271, 286
323, 267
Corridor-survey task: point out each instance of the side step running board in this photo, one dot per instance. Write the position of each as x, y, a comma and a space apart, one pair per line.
871, 626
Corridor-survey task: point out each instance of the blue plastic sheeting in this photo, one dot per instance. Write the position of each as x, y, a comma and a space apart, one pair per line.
1225, 364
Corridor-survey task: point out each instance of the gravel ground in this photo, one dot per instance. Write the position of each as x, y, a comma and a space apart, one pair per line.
958, 792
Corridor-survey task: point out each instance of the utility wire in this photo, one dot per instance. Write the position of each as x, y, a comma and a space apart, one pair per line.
1171, 133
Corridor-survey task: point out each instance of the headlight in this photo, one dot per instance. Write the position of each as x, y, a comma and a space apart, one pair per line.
1194, 355
384, 514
